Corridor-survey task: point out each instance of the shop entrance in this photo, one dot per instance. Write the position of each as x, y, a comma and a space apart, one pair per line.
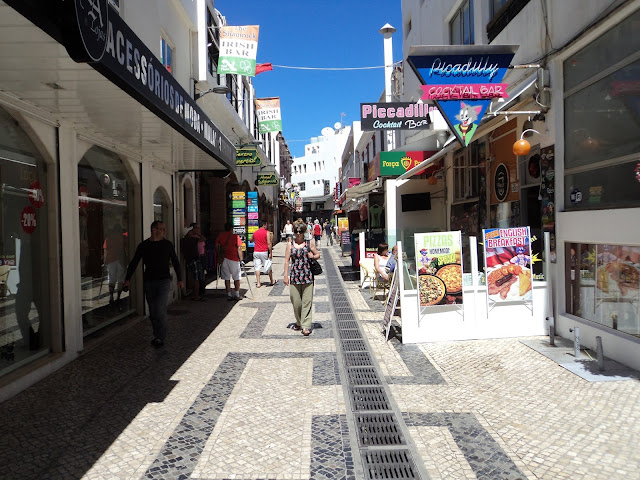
105, 215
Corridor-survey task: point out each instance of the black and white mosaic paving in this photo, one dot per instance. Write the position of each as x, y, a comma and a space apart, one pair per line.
181, 452
486, 458
422, 370
264, 311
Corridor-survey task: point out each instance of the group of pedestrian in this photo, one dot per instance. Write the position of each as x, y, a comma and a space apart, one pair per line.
156, 252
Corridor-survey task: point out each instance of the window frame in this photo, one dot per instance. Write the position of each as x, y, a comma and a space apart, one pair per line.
459, 13
466, 174
164, 41
213, 50
500, 19
617, 158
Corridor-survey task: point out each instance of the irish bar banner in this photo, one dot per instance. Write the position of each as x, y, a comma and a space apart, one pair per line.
238, 48
438, 257
268, 112
507, 253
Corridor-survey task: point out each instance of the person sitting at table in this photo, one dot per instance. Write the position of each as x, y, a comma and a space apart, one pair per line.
380, 261
393, 259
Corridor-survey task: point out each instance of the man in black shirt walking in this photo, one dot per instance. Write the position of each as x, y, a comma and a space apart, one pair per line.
155, 253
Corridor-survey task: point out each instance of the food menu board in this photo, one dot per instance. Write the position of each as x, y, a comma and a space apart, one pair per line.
252, 216
239, 216
507, 253
438, 256
618, 272
392, 302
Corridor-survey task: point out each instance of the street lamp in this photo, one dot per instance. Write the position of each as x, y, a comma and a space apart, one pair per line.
219, 89
387, 31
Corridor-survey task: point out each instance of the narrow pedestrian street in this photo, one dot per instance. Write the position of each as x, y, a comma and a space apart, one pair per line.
235, 394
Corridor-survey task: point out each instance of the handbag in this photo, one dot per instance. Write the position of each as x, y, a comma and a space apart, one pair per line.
268, 264
316, 268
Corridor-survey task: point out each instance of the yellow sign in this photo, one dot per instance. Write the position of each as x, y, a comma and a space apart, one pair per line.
267, 179
247, 157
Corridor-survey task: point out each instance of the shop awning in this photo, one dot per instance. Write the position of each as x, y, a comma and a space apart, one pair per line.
362, 189
43, 63
450, 144
317, 199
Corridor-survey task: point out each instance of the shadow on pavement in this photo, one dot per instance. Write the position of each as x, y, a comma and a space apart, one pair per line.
61, 426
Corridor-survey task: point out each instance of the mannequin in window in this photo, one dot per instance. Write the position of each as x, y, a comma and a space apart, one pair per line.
375, 212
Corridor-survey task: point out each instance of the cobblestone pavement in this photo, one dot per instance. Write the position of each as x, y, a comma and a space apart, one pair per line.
235, 394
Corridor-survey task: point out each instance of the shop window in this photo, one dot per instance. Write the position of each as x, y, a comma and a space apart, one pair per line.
25, 324
603, 285
466, 172
464, 217
162, 210
461, 25
602, 120
166, 54
106, 217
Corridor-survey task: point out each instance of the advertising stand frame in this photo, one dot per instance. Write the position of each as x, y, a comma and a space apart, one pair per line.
491, 304
457, 307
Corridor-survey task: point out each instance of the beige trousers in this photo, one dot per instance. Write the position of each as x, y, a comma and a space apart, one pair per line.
302, 301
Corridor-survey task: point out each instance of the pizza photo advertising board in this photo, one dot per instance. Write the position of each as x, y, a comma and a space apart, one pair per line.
438, 257
507, 253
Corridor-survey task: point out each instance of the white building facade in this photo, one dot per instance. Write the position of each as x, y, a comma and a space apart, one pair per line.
97, 141
318, 171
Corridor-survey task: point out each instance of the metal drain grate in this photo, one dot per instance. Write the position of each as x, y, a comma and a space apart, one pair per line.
357, 359
378, 429
384, 464
349, 334
345, 316
363, 376
342, 310
369, 398
348, 324
354, 346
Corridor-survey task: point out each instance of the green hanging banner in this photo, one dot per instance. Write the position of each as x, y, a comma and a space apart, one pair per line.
247, 157
268, 113
238, 48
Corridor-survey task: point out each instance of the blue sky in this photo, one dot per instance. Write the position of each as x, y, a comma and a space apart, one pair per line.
318, 33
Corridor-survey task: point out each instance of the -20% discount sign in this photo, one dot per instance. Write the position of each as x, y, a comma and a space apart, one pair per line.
28, 219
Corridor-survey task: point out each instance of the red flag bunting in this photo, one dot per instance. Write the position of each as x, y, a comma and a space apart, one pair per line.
263, 67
